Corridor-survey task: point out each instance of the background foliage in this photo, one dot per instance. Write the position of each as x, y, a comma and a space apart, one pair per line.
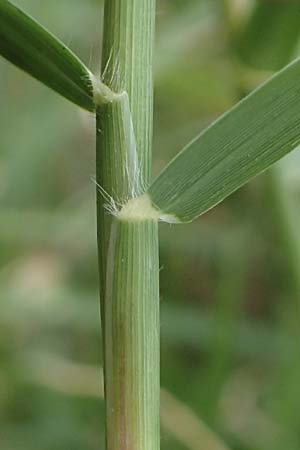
230, 284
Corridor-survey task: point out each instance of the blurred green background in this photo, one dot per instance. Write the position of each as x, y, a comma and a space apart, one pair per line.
230, 282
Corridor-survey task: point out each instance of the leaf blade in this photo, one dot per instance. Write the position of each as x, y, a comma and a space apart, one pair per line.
26, 44
242, 143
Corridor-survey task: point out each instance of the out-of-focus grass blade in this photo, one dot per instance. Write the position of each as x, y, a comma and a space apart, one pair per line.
244, 142
31, 47
194, 21
271, 35
81, 380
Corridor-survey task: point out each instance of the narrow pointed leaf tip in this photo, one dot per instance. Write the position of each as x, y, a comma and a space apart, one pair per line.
32, 48
242, 143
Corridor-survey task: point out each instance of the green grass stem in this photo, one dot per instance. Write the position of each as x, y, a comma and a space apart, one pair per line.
128, 245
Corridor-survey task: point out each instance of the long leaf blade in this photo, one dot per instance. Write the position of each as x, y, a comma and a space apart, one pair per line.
244, 142
32, 48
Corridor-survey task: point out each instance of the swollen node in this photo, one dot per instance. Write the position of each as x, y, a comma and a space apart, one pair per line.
138, 209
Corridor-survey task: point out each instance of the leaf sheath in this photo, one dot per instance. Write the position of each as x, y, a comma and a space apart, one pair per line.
132, 336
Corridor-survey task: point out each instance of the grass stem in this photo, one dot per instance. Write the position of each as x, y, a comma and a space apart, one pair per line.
128, 246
